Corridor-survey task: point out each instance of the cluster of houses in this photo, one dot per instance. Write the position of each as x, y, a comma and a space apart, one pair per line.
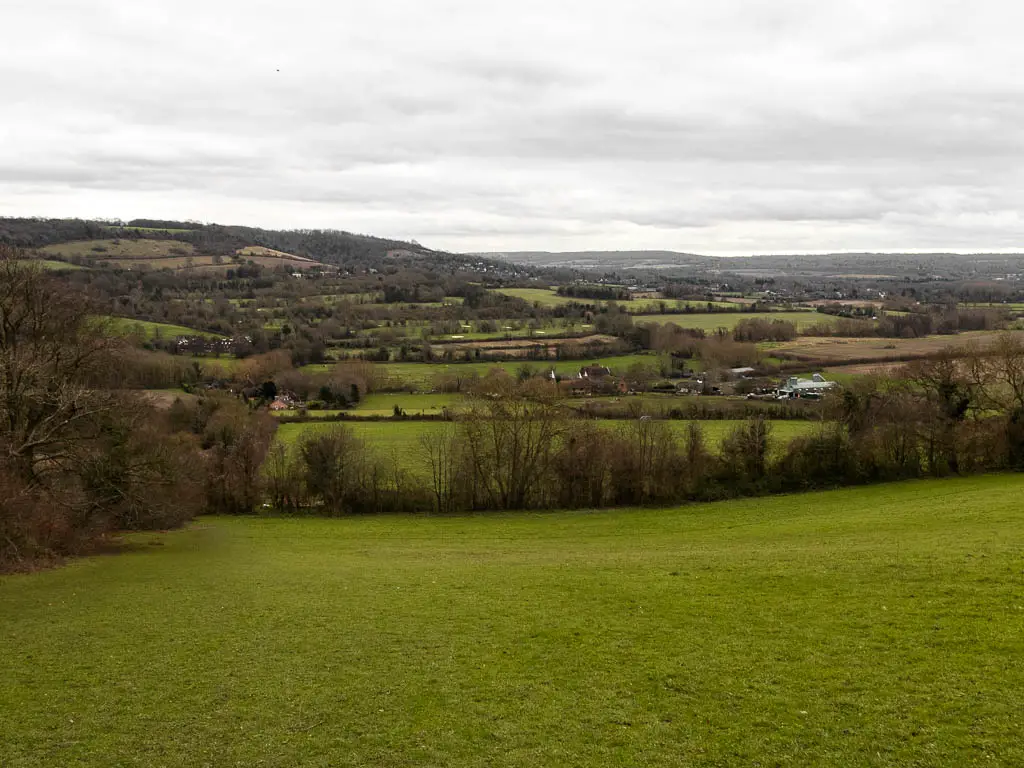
203, 345
285, 402
595, 380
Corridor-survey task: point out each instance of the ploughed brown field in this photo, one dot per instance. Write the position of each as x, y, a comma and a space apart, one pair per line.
840, 349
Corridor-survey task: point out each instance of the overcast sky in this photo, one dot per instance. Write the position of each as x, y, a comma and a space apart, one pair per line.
714, 127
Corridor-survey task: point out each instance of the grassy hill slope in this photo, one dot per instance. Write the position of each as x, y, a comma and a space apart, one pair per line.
877, 626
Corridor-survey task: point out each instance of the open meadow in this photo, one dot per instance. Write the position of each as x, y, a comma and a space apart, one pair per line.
147, 329
149, 253
424, 376
714, 320
836, 350
542, 296
401, 440
878, 626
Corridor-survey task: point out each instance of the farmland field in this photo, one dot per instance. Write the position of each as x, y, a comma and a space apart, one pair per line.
423, 375
166, 254
653, 306
714, 320
545, 298
877, 626
117, 250
51, 265
383, 405
837, 350
401, 439
126, 326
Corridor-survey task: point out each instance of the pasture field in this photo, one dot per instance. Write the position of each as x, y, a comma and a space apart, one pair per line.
226, 364
401, 439
167, 254
878, 626
423, 375
398, 439
1015, 306
384, 404
653, 306
549, 298
52, 265
715, 320
544, 297
126, 326
586, 339
123, 250
518, 330
837, 350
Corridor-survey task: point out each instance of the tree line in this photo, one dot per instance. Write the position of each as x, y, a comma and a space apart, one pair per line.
80, 457
515, 448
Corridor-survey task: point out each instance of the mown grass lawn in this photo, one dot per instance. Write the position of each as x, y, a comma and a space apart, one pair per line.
870, 627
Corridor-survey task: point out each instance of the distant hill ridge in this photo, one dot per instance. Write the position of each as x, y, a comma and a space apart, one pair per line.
334, 247
936, 264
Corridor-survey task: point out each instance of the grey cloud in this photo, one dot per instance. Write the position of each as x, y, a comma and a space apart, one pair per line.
719, 127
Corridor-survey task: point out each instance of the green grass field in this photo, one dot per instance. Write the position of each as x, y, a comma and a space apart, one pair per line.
126, 326
384, 404
51, 265
546, 298
401, 439
1011, 305
878, 626
653, 305
422, 375
122, 249
715, 320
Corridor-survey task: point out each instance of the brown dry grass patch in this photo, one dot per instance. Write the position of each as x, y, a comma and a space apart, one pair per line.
830, 349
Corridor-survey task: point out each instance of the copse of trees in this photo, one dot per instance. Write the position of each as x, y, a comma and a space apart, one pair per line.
855, 322
595, 291
80, 457
755, 329
77, 459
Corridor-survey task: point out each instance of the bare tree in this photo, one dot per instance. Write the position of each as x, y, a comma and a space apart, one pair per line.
509, 436
51, 352
949, 395
439, 452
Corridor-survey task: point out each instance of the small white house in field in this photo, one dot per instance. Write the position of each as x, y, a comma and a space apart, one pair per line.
815, 386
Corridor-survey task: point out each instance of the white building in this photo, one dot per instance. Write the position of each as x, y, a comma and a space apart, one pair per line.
815, 386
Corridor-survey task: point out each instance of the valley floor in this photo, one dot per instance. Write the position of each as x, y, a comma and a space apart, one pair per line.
875, 626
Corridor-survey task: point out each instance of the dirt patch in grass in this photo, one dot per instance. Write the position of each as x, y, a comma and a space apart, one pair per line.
865, 369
